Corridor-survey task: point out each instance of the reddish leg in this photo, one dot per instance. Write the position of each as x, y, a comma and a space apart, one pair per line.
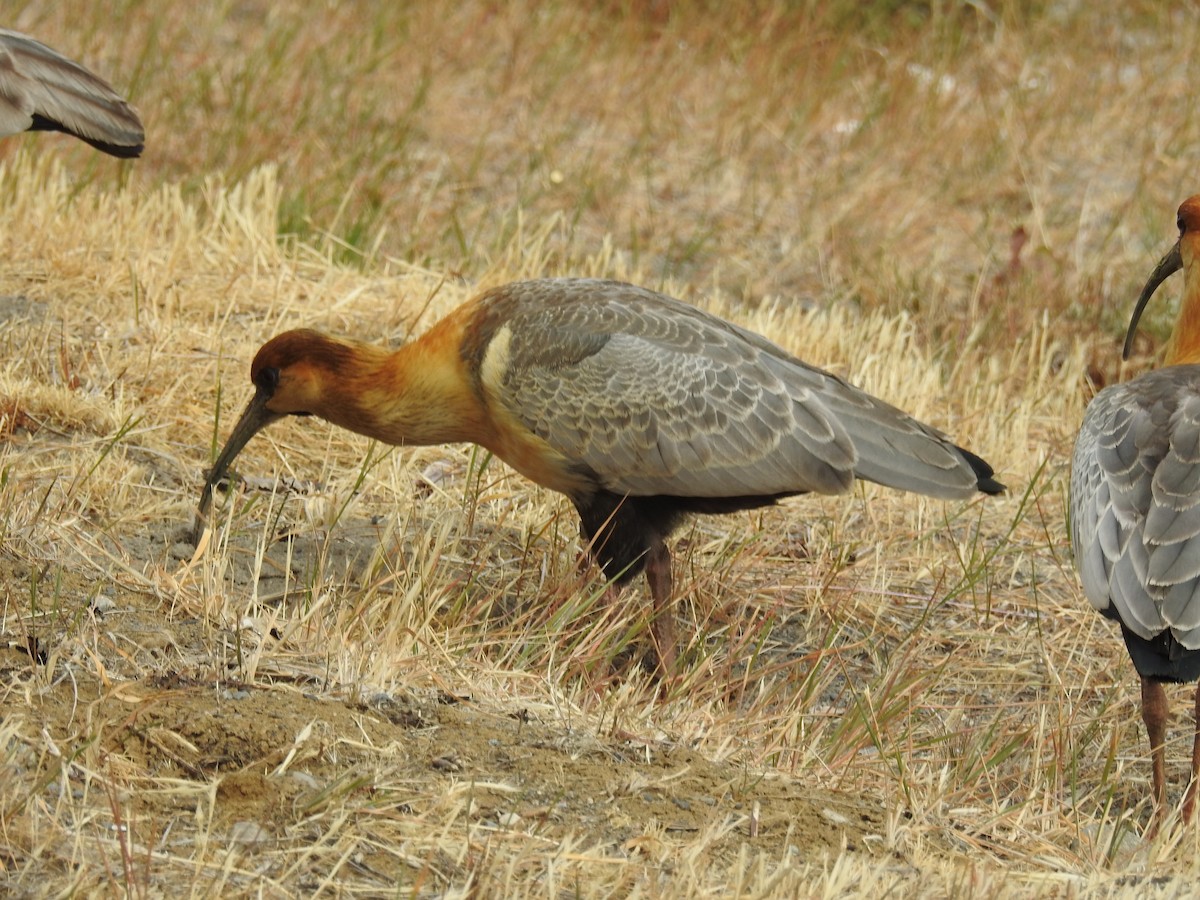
662, 626
1154, 714
1189, 800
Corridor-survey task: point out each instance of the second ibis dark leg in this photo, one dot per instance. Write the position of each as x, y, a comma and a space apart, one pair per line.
1154, 714
1189, 800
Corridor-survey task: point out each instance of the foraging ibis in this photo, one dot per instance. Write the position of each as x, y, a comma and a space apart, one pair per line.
1135, 508
42, 90
640, 408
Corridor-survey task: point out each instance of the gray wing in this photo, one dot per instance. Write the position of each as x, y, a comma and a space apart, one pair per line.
1135, 503
657, 397
40, 87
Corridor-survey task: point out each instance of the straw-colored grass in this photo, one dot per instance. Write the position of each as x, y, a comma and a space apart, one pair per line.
388, 672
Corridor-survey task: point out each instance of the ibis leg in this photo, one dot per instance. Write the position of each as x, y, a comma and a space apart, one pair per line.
1189, 800
662, 626
1154, 714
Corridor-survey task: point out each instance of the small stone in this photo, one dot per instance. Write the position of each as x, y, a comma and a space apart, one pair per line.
305, 779
448, 763
249, 834
835, 817
102, 604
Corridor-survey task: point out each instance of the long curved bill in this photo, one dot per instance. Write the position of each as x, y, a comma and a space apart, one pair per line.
254, 418
1168, 265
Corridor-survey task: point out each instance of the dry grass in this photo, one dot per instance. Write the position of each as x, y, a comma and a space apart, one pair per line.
413, 694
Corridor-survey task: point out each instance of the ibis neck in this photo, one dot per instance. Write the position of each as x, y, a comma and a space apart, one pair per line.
413, 396
1184, 345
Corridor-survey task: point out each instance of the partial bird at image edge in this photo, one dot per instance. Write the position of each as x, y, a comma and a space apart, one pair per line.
1135, 510
42, 90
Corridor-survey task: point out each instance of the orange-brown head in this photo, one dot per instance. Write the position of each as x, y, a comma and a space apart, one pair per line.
297, 373
296, 369
1185, 339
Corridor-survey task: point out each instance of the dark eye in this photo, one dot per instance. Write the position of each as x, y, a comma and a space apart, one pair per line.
1179, 225
267, 379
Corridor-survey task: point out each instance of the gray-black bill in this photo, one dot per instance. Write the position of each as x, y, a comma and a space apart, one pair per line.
254, 418
1168, 265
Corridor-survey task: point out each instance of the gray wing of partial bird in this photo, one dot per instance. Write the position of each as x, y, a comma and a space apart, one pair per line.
1135, 503
41, 89
654, 396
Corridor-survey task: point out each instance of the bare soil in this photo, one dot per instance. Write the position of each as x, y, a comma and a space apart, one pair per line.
265, 756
